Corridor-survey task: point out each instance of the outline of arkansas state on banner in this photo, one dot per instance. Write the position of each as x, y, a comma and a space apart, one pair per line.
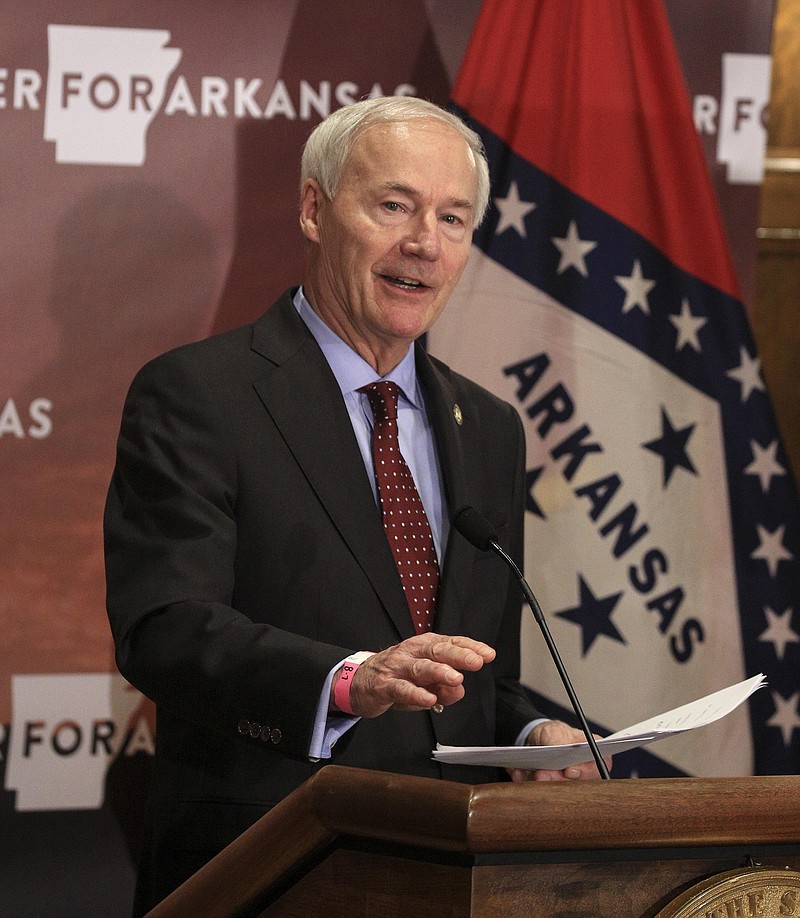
662, 517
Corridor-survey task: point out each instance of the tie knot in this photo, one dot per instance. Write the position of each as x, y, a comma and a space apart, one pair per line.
382, 398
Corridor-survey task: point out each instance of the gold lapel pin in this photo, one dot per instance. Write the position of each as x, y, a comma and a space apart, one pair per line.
458, 415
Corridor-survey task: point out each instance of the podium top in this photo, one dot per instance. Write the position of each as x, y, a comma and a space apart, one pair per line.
556, 816
443, 817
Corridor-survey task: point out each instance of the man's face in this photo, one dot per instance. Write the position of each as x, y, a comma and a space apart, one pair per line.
386, 253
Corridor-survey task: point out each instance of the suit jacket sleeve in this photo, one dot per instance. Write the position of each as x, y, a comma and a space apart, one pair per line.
514, 707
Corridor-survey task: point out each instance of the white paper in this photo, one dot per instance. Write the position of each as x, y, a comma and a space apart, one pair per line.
687, 717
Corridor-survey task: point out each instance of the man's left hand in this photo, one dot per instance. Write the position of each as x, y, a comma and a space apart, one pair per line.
557, 733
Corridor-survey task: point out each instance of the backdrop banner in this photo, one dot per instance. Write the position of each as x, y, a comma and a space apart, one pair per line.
150, 197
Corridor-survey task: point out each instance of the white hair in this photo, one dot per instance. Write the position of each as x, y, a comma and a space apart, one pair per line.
326, 151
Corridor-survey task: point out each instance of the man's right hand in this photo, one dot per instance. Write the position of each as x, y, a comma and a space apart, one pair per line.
416, 674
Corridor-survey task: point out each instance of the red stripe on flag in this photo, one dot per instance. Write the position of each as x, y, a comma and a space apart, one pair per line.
591, 92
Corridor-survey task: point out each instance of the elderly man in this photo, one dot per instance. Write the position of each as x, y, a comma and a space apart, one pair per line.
282, 577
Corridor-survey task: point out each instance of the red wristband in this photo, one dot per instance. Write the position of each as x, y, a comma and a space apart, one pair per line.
341, 691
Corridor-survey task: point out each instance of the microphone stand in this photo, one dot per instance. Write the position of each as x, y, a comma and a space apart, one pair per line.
562, 672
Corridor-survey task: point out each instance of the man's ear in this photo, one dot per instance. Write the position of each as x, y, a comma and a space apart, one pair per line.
310, 206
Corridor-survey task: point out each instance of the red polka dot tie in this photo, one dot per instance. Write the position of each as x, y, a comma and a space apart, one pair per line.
407, 527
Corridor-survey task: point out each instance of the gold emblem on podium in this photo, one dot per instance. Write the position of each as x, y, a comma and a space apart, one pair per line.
751, 892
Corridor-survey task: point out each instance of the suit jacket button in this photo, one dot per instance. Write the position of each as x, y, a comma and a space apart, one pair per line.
255, 730
243, 727
275, 735
264, 735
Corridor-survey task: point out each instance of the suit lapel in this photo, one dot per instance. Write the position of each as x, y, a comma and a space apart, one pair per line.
443, 411
302, 397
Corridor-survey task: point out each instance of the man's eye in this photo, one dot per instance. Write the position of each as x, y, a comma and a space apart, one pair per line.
392, 206
452, 219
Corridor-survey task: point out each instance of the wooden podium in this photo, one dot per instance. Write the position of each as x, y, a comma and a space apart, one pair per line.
351, 842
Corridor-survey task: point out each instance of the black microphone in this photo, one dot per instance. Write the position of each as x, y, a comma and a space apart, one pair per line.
477, 530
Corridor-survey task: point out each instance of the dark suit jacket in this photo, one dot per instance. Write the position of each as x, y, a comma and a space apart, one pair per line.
246, 556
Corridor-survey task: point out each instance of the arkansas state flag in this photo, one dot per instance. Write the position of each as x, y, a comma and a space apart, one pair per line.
600, 299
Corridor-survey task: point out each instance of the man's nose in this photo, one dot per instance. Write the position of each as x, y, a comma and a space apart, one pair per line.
422, 238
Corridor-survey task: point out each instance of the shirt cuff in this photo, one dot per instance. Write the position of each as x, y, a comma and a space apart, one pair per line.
523, 735
328, 728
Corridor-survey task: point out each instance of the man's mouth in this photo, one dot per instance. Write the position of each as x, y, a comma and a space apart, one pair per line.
406, 283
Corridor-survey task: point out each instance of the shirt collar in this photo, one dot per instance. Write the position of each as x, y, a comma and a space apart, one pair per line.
350, 369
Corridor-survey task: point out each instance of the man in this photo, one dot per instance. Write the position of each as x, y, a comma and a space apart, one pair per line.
247, 560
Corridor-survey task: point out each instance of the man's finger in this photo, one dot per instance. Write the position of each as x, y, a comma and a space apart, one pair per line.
461, 653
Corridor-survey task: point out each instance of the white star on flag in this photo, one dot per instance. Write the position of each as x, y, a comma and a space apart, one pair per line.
513, 212
765, 464
636, 288
748, 373
785, 715
573, 250
688, 326
779, 630
771, 548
